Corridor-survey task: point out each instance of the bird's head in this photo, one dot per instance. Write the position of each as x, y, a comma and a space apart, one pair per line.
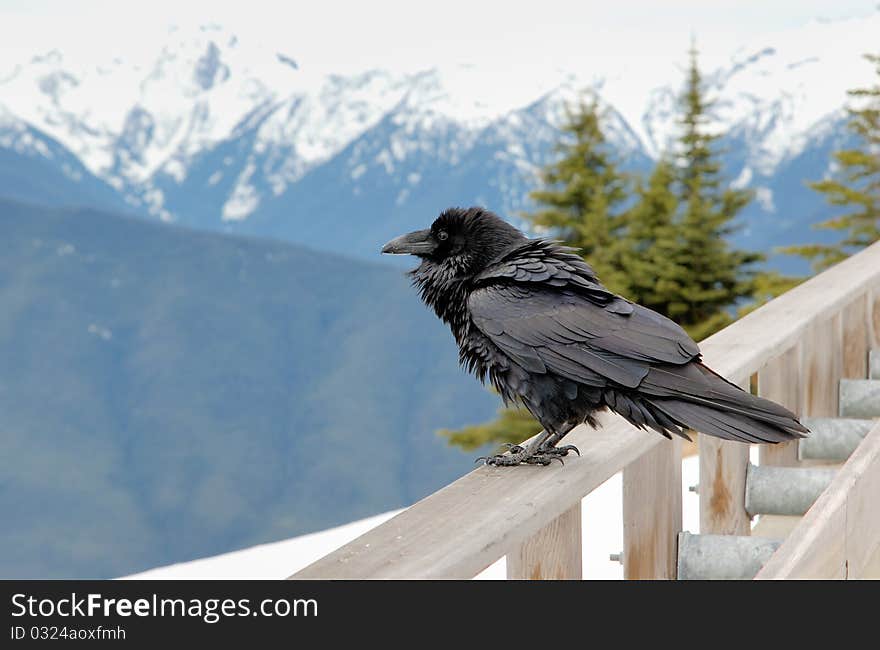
461, 241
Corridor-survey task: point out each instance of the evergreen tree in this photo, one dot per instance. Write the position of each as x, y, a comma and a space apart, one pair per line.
857, 186
768, 285
583, 194
715, 276
513, 425
649, 259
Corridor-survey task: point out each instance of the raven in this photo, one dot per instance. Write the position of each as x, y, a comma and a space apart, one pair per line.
532, 316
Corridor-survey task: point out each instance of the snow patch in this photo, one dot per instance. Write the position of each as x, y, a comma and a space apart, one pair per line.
743, 180
245, 198
103, 333
358, 171
764, 196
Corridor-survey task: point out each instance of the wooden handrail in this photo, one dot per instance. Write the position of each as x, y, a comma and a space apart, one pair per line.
492, 512
464, 527
840, 534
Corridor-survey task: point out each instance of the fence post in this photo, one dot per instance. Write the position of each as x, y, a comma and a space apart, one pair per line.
780, 381
553, 553
873, 319
723, 466
856, 334
652, 513
821, 367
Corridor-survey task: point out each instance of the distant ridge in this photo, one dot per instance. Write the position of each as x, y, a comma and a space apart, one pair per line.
167, 394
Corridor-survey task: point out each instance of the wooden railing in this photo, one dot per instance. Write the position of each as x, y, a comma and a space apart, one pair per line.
839, 537
799, 346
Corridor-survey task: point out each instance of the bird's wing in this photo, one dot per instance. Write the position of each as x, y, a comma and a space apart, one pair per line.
550, 264
587, 338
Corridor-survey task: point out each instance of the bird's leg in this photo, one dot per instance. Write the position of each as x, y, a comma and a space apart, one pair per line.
530, 454
549, 448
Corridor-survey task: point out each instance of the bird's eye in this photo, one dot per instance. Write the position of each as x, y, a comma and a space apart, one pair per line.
442, 235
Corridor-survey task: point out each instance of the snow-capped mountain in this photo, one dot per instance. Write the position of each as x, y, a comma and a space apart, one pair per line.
219, 133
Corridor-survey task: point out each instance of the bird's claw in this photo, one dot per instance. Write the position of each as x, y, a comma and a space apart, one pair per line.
516, 455
513, 450
542, 459
503, 460
509, 460
558, 451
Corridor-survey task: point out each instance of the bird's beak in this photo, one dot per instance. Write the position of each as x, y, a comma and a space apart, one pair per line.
419, 242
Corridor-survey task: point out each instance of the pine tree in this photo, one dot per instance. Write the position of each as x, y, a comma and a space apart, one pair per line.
857, 186
768, 285
581, 201
716, 275
650, 248
513, 425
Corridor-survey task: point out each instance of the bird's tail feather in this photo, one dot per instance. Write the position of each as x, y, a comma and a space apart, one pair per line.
695, 397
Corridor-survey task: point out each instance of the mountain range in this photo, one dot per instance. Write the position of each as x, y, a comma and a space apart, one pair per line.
217, 133
168, 394
200, 348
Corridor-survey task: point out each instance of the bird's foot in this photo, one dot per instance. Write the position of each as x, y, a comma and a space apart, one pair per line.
556, 452
519, 456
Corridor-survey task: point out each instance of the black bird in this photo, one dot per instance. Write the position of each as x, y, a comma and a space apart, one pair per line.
532, 316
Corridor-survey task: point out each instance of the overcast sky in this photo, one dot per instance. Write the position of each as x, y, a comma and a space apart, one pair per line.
406, 34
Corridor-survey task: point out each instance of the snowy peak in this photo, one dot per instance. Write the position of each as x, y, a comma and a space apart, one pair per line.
246, 128
778, 91
127, 118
